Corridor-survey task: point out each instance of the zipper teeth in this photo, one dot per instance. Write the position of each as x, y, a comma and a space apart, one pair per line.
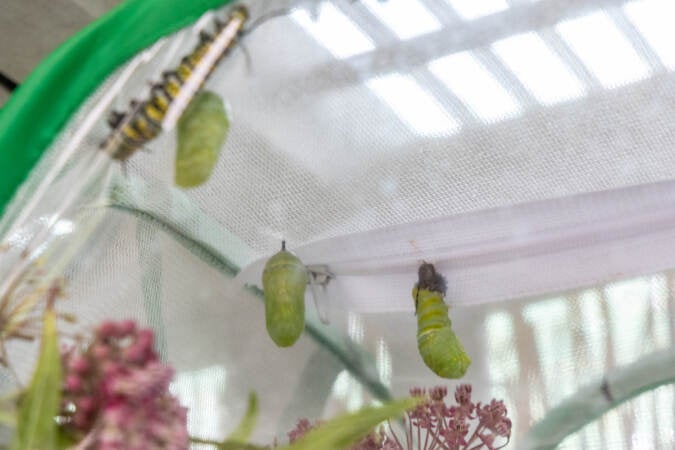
504, 253
605, 230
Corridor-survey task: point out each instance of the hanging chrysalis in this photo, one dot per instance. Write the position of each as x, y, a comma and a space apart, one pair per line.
437, 343
284, 283
201, 132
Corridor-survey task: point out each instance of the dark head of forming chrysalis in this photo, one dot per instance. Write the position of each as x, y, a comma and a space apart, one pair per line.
431, 280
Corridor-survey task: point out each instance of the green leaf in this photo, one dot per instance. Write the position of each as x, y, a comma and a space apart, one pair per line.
8, 409
7, 416
64, 440
337, 434
36, 427
346, 430
243, 432
227, 445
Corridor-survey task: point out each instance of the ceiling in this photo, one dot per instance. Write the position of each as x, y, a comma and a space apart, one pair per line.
397, 111
30, 30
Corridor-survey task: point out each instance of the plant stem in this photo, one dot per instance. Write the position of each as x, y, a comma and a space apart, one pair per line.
474, 435
196, 440
391, 430
508, 439
419, 439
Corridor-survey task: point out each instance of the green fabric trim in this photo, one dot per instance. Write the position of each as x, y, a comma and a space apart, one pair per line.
38, 110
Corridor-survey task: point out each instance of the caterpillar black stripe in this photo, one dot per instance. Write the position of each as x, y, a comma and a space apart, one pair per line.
142, 122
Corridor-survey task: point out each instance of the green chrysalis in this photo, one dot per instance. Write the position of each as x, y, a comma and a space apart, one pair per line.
201, 132
284, 283
437, 343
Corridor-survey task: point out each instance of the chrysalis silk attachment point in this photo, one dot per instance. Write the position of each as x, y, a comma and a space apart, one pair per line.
284, 283
319, 276
201, 133
438, 345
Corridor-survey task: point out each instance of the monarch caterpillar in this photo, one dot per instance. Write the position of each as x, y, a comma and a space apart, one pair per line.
201, 132
437, 343
284, 282
143, 121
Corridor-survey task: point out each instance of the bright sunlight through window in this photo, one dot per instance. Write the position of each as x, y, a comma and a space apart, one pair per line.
413, 104
604, 50
475, 86
654, 19
538, 68
334, 31
406, 18
473, 9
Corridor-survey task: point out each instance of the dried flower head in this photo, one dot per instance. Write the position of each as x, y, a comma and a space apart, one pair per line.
115, 393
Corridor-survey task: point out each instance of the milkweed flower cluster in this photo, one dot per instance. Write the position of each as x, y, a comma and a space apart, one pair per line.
435, 425
449, 427
115, 393
302, 428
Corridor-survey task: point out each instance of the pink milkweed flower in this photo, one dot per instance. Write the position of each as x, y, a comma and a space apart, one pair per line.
435, 424
116, 393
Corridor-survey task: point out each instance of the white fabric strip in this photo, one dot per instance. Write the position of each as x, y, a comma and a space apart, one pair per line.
505, 253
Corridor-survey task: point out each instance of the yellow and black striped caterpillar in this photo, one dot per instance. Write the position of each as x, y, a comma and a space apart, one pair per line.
438, 345
143, 121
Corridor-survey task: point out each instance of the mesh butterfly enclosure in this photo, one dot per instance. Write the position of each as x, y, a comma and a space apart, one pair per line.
518, 150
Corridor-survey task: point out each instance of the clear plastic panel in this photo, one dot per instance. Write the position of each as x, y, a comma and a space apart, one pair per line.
547, 207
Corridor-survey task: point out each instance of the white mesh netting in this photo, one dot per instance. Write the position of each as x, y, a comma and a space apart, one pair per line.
431, 126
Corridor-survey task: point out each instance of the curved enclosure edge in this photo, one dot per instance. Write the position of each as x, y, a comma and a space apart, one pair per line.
66, 71
519, 148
